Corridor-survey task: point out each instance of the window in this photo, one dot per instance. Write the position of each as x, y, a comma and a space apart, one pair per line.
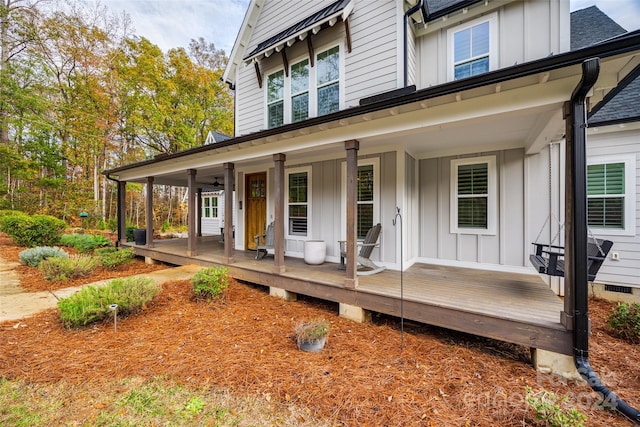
210, 206
473, 195
610, 194
328, 75
306, 92
471, 48
365, 200
298, 200
300, 91
368, 196
275, 99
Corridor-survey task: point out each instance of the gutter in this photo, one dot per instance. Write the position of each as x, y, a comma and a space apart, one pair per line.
624, 44
405, 21
577, 242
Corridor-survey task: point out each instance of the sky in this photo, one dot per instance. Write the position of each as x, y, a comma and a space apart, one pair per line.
171, 23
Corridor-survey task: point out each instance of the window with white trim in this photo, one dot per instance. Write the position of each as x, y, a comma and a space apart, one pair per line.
209, 206
368, 196
472, 48
275, 99
298, 190
610, 194
307, 91
473, 195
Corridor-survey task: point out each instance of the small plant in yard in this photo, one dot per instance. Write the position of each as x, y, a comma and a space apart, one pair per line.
34, 256
84, 243
313, 330
624, 322
61, 269
112, 257
552, 409
92, 303
210, 283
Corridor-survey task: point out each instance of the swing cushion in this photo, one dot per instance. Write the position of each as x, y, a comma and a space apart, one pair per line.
549, 259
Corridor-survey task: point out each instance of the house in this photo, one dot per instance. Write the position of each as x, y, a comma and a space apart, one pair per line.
451, 114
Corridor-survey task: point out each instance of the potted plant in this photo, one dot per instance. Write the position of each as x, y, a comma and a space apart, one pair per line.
311, 336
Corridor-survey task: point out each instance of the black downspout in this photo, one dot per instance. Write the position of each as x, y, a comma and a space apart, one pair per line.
407, 14
577, 241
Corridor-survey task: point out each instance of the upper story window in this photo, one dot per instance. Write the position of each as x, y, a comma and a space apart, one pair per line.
610, 195
328, 81
298, 201
472, 48
473, 195
307, 92
275, 99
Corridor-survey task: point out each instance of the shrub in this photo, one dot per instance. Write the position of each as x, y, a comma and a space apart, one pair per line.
9, 212
92, 303
112, 257
129, 233
61, 269
552, 409
210, 283
34, 256
84, 243
624, 322
31, 231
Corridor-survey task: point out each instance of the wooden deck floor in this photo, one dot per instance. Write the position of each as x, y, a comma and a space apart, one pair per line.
510, 307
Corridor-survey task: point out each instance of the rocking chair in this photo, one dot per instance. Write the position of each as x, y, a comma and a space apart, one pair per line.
262, 249
365, 252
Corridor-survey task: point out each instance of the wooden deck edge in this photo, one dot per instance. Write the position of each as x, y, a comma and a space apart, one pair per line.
547, 337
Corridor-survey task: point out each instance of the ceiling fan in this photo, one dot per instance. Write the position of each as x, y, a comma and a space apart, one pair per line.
217, 184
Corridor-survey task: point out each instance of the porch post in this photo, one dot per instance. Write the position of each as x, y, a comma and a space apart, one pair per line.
191, 213
278, 226
351, 278
199, 211
229, 172
122, 211
149, 212
569, 280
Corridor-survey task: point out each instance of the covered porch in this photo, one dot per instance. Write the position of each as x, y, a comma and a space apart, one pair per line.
511, 307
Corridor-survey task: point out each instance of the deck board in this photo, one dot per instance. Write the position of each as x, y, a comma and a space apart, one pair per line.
512, 307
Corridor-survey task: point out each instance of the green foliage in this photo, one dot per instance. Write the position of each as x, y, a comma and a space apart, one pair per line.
624, 322
129, 233
92, 303
112, 224
34, 256
210, 283
31, 231
552, 410
165, 226
61, 269
112, 257
310, 331
84, 243
9, 212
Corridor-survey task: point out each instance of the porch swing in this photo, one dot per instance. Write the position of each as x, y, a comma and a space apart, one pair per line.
549, 258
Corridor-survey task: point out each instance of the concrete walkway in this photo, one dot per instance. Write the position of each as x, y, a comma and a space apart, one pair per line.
15, 304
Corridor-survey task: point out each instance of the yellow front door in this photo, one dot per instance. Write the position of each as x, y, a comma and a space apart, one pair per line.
256, 207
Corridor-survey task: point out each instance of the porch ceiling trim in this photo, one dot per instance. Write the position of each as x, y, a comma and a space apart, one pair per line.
624, 44
341, 9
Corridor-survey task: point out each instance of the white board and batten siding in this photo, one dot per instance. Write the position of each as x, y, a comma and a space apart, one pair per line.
439, 244
606, 145
211, 225
370, 68
526, 31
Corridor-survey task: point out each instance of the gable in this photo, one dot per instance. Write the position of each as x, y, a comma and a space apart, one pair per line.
591, 25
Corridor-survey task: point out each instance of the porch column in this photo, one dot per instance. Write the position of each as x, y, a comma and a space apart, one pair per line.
229, 172
149, 212
278, 226
191, 213
199, 210
122, 211
351, 278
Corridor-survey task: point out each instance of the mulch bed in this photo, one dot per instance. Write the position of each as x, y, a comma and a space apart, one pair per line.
363, 376
32, 279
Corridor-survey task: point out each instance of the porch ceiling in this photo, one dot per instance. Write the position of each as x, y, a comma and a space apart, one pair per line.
521, 112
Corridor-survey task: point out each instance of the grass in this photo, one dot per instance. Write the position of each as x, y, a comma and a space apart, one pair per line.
136, 402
